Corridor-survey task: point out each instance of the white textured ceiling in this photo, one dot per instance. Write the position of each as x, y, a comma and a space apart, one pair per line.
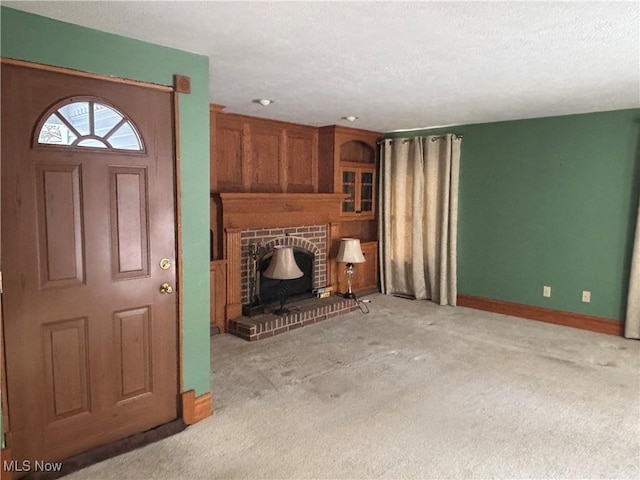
396, 65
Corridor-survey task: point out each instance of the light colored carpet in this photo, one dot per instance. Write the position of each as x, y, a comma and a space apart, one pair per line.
411, 390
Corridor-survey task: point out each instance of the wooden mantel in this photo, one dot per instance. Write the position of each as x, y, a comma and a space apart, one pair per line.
264, 210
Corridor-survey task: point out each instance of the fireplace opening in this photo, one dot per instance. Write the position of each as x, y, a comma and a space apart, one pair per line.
297, 288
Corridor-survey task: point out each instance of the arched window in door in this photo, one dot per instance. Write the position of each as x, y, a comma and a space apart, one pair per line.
87, 122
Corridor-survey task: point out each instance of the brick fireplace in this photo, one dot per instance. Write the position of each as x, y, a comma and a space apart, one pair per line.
255, 223
311, 238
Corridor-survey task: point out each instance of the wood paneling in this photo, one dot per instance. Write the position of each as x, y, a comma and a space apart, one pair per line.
218, 281
302, 163
357, 151
368, 271
129, 204
229, 154
214, 110
264, 159
61, 246
215, 212
195, 408
249, 210
365, 230
559, 317
252, 154
326, 155
133, 344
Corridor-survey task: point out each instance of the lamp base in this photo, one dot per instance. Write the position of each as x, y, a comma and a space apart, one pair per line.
349, 295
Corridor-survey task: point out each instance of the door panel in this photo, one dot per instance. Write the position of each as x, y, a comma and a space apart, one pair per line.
133, 331
91, 343
129, 204
59, 223
66, 367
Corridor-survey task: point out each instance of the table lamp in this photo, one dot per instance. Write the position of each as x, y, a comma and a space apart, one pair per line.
350, 253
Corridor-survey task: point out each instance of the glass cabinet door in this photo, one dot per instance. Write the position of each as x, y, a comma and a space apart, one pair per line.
358, 184
366, 191
349, 187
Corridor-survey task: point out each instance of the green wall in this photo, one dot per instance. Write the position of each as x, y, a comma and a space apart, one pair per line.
38, 39
549, 201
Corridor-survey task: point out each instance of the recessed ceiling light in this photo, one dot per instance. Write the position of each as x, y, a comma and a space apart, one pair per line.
263, 101
349, 118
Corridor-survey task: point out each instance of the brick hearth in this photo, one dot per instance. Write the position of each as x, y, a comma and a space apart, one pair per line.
303, 313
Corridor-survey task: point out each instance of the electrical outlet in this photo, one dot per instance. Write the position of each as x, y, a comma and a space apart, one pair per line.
586, 296
546, 291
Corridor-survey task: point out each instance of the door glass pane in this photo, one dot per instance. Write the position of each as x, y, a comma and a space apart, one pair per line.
55, 132
125, 138
349, 177
77, 114
366, 191
91, 142
349, 187
348, 206
105, 119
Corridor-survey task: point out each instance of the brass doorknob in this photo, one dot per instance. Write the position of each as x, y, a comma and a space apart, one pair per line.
166, 289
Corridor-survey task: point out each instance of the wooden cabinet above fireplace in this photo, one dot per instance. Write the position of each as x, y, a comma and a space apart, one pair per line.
257, 155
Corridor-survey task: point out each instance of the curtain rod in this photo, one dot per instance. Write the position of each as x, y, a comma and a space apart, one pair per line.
433, 138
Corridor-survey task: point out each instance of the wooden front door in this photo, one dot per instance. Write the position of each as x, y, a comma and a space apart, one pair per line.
91, 341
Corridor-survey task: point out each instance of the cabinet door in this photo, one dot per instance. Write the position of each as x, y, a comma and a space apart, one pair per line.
266, 159
359, 184
366, 191
218, 285
302, 161
369, 269
349, 178
229, 154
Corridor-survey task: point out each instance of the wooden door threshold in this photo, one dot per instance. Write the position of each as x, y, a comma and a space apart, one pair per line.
113, 449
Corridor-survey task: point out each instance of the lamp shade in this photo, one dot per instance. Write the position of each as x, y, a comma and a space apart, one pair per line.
350, 251
283, 265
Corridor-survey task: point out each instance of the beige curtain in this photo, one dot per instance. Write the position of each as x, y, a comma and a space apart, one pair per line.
632, 325
418, 217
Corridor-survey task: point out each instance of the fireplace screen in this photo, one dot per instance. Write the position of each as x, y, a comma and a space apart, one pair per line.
296, 288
